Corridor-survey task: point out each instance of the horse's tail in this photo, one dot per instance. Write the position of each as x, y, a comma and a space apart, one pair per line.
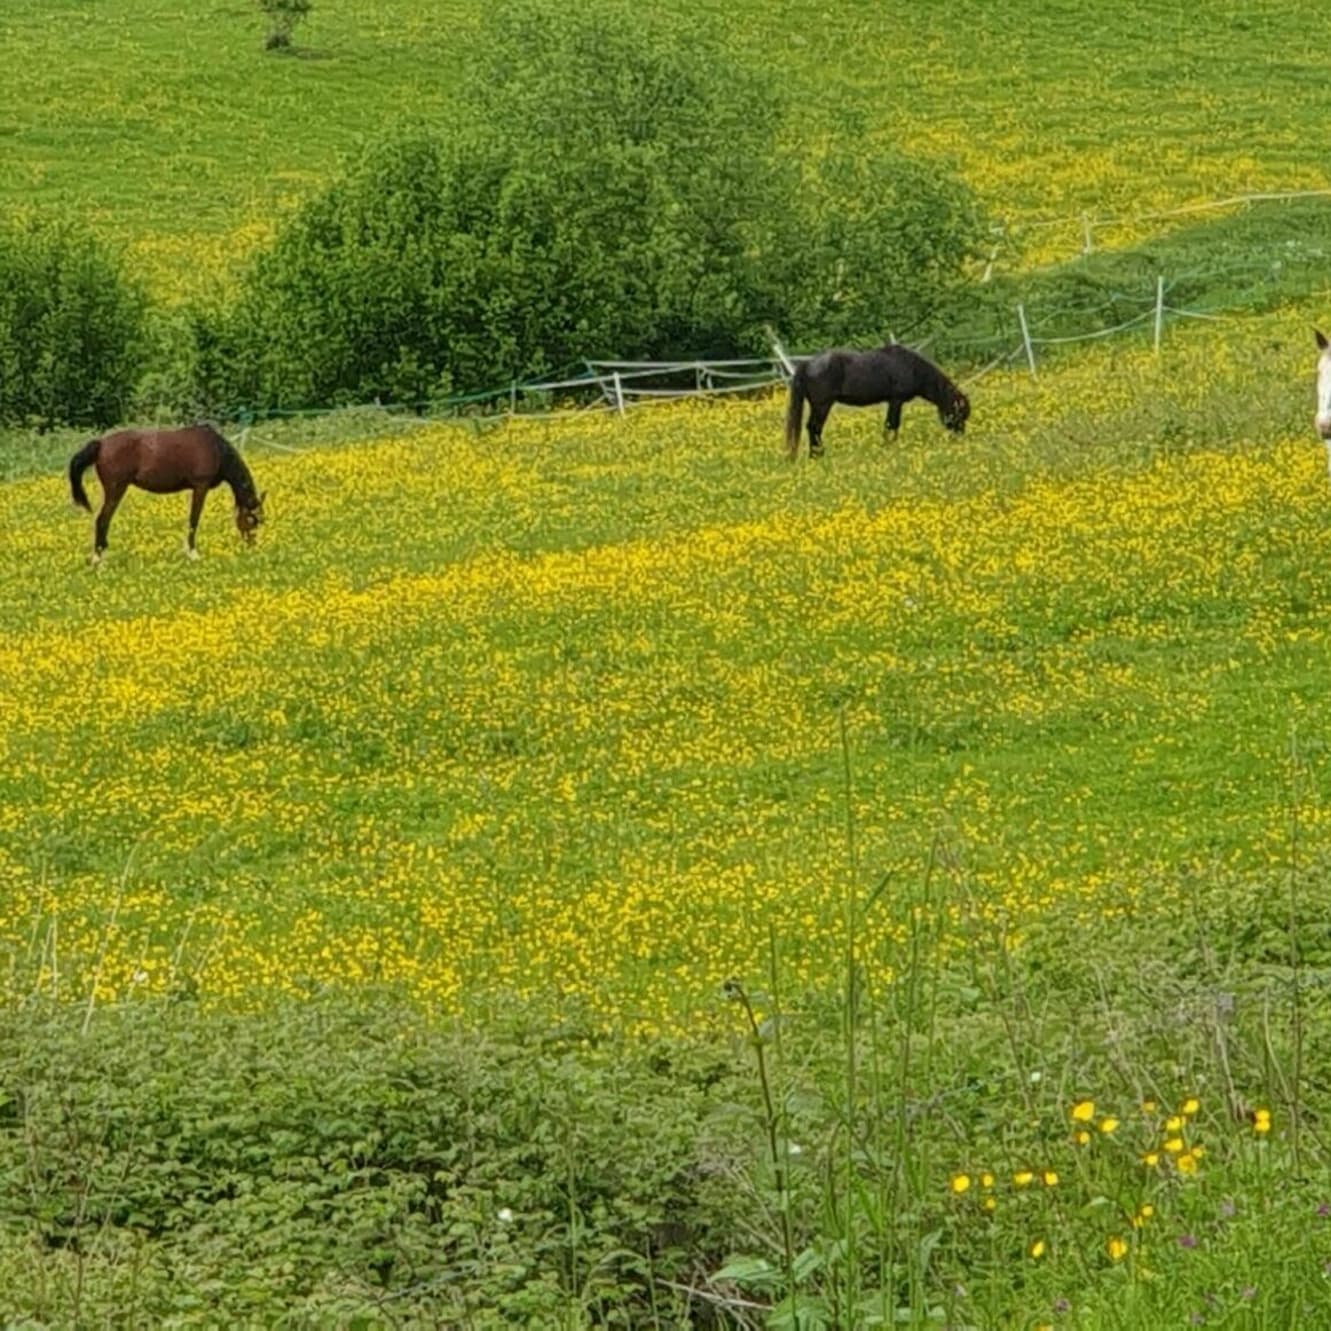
78, 464
795, 411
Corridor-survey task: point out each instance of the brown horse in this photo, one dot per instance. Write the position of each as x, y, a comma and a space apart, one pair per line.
193, 458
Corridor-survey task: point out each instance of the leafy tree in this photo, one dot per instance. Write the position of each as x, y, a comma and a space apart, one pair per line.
888, 240
72, 327
616, 189
283, 16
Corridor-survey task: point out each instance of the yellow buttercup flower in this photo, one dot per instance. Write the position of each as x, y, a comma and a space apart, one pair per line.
1116, 1247
1023, 1178
1261, 1121
1083, 1111
1037, 1249
1189, 1107
960, 1183
1108, 1124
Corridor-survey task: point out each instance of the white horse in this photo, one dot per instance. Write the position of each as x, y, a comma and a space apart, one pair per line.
1322, 421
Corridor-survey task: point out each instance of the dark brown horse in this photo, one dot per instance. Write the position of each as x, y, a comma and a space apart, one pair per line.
893, 374
194, 458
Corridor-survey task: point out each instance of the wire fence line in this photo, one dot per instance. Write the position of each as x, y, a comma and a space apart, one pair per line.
1088, 221
622, 386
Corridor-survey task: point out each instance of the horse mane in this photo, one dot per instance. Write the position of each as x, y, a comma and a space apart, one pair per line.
233, 469
939, 382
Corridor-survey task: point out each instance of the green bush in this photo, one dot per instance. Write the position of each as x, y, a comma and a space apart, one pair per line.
72, 327
617, 191
889, 241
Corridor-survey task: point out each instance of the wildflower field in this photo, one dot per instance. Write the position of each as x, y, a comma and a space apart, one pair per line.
559, 713
595, 872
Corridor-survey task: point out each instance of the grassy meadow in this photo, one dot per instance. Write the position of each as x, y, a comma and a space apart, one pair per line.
593, 872
174, 131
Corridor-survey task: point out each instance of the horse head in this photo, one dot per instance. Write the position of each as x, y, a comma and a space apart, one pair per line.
249, 515
956, 412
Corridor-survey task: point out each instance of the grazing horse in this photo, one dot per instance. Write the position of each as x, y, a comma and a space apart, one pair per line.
194, 458
1322, 421
892, 373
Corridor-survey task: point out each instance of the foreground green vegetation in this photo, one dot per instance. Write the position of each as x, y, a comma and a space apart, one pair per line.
1101, 1140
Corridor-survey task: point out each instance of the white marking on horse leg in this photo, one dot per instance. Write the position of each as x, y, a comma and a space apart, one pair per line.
191, 552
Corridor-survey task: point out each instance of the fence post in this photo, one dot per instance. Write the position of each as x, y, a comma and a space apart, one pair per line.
1159, 309
1026, 338
619, 394
780, 351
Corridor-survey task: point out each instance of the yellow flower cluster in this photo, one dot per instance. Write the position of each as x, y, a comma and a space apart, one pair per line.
1114, 1173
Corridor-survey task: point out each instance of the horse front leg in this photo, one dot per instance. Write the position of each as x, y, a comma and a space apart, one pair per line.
893, 423
195, 513
112, 494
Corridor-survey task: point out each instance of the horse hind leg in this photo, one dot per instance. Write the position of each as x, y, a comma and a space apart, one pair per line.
112, 494
818, 412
